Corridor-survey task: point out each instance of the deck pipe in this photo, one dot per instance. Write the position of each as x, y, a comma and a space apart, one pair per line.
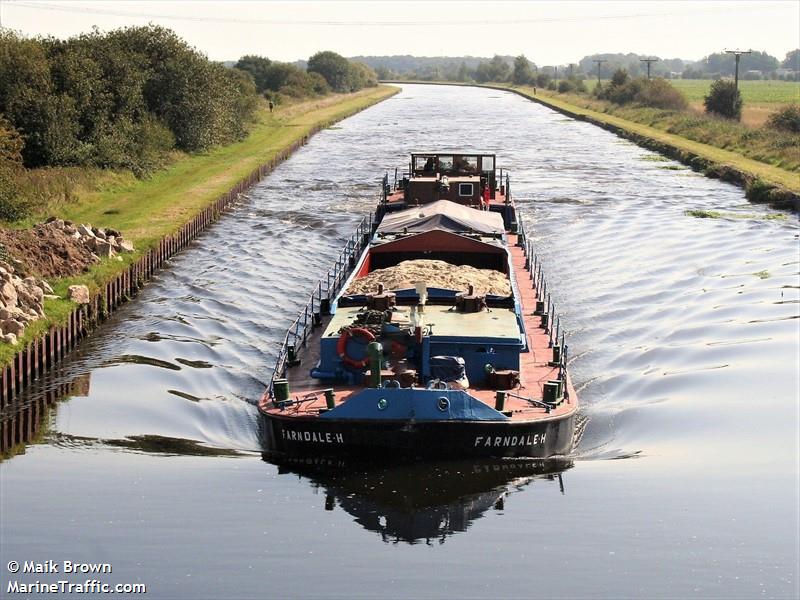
375, 353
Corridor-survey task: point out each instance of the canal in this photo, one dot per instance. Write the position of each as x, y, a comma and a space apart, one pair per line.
683, 336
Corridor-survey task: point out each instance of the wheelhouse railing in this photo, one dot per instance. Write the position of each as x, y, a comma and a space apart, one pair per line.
319, 302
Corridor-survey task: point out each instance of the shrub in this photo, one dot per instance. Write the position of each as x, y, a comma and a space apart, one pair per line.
551, 85
724, 100
624, 93
565, 86
542, 80
13, 204
660, 93
619, 78
786, 119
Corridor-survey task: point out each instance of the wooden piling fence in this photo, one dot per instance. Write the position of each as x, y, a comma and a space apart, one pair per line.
49, 349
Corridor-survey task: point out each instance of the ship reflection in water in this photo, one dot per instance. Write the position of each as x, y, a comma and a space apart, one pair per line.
420, 502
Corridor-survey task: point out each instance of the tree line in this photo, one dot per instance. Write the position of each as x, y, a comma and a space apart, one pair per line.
121, 99
756, 65
129, 98
325, 72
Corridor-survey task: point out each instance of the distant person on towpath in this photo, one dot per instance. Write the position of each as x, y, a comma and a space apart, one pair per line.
271, 106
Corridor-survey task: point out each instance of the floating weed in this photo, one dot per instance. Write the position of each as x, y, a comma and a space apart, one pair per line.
714, 214
672, 167
762, 274
654, 158
703, 214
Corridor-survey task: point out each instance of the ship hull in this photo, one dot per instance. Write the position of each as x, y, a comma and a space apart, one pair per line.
385, 439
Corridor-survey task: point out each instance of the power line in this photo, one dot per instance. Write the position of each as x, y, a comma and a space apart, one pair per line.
649, 61
428, 22
737, 55
599, 62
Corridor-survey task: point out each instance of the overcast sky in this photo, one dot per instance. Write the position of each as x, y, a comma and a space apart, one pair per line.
547, 32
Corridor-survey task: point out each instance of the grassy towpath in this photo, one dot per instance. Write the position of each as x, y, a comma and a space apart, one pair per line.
147, 210
768, 173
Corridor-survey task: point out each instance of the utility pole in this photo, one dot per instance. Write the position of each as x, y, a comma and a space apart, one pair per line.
737, 54
648, 61
599, 64
571, 67
555, 76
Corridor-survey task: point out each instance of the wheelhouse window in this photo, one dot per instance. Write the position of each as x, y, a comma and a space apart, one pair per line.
465, 189
487, 163
467, 164
445, 163
426, 164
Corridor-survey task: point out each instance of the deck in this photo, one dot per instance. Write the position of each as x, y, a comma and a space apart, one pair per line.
535, 369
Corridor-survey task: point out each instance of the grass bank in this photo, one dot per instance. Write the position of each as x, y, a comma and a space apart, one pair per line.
761, 98
785, 174
147, 210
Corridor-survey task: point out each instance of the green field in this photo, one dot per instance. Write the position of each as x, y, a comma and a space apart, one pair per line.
757, 92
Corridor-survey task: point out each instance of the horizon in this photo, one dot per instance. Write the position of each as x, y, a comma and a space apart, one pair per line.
224, 31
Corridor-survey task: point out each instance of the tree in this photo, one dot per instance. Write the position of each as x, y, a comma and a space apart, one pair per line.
334, 68
619, 78
522, 74
723, 99
792, 60
258, 67
463, 73
499, 68
483, 73
724, 64
362, 76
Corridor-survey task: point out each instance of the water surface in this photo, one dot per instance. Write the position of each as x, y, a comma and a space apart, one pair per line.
683, 337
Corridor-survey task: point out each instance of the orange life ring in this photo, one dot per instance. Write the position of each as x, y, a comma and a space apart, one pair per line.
341, 346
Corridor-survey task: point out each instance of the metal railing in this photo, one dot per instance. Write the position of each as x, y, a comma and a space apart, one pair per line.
319, 302
545, 307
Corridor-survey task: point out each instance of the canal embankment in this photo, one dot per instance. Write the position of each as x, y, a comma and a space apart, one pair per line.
763, 183
161, 215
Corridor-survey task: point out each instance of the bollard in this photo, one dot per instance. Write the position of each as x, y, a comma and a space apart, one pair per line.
280, 389
291, 356
545, 320
559, 387
556, 355
550, 392
500, 401
539, 307
330, 399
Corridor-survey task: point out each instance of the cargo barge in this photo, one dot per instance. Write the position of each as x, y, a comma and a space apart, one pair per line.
430, 337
